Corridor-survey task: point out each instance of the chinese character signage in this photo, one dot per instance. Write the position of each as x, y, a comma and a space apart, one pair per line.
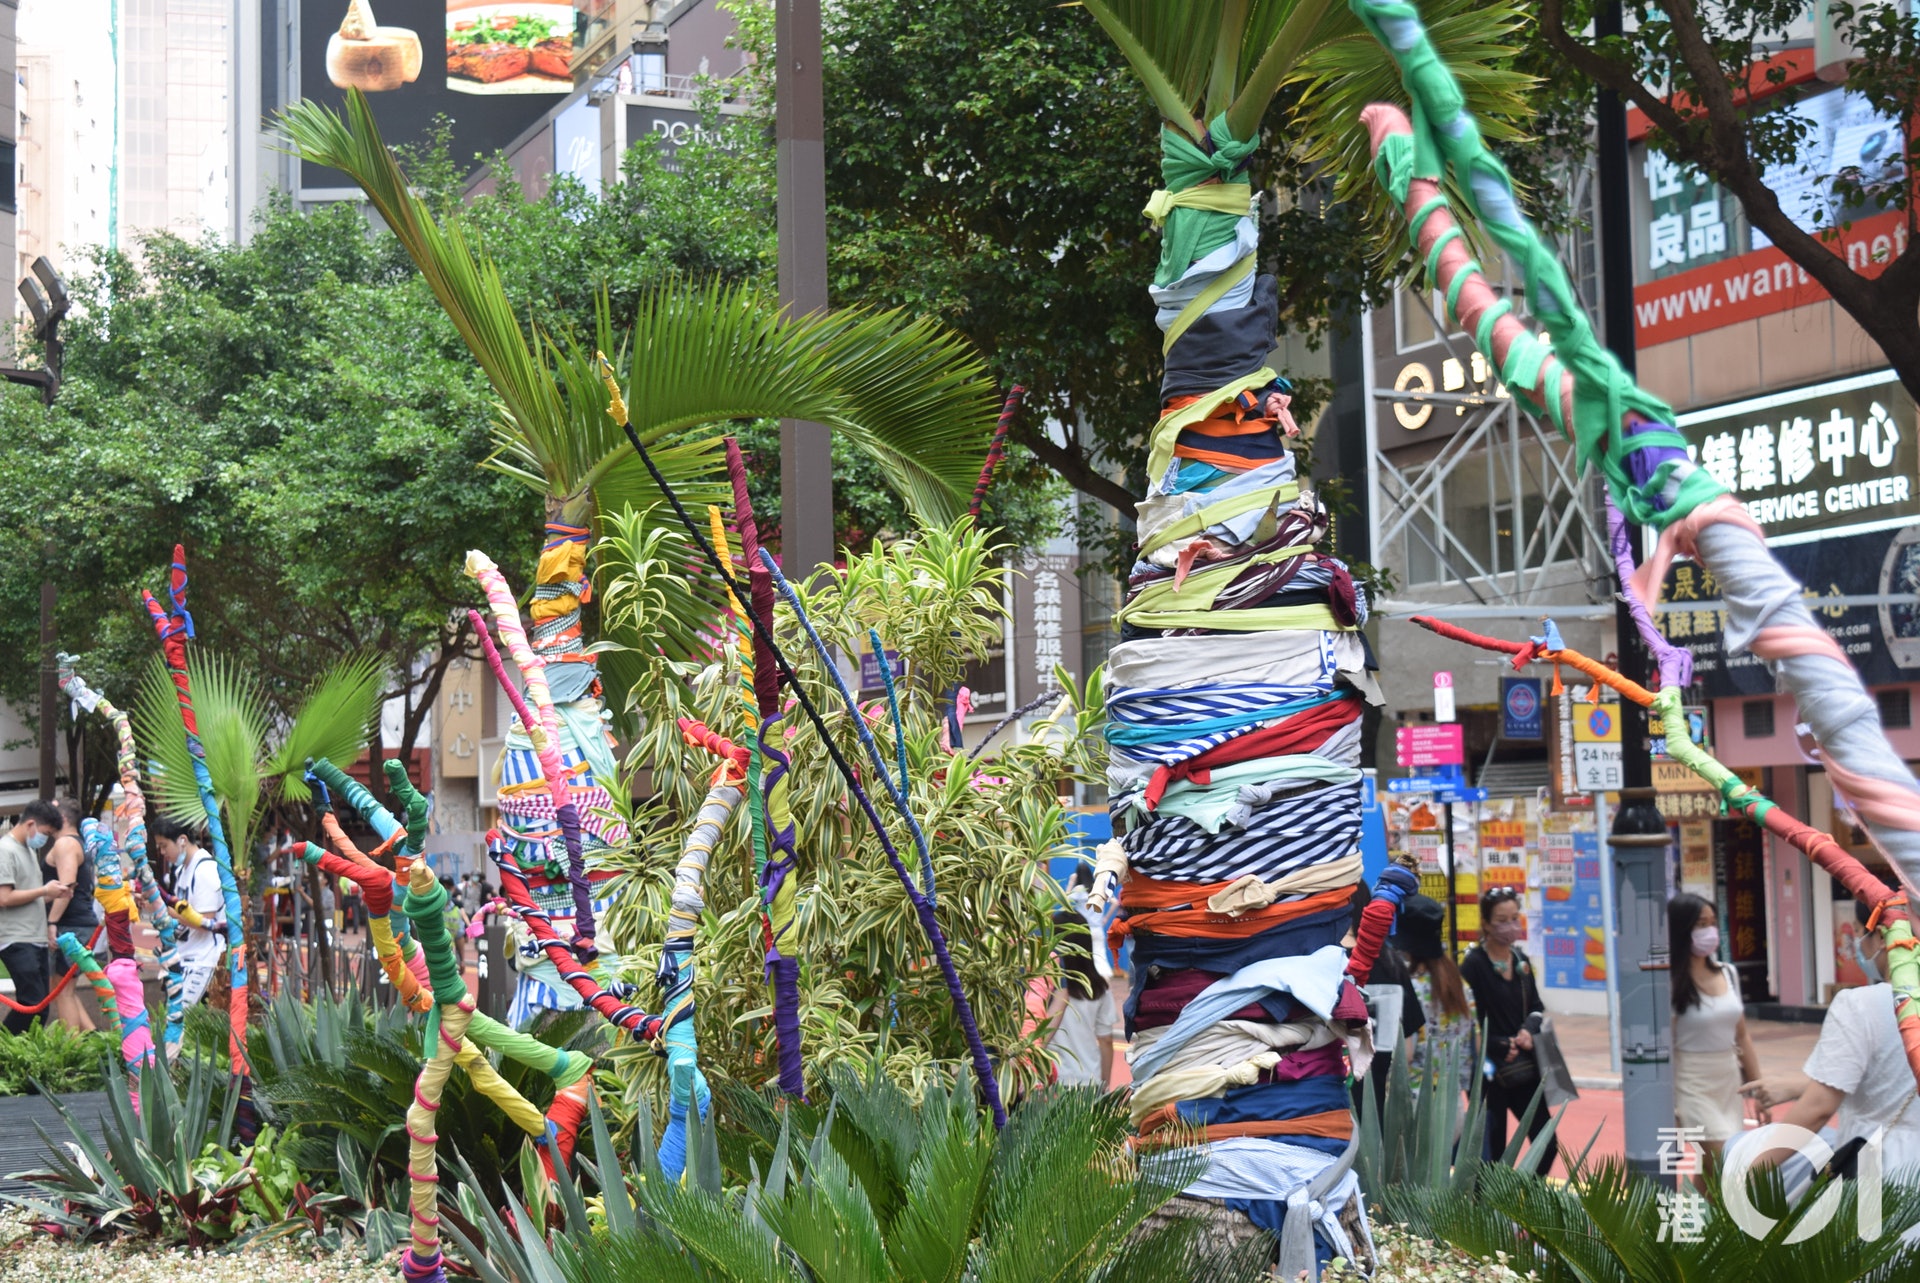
1572, 926
1882, 641
1821, 460
1046, 622
1688, 219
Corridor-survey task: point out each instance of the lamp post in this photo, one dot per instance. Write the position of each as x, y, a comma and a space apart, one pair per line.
47, 300
799, 127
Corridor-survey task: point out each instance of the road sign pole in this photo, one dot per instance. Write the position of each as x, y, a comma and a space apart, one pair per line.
1453, 884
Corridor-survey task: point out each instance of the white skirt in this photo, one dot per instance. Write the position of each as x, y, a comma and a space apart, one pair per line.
1706, 1093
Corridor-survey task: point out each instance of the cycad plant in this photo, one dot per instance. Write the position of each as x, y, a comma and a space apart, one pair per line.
256, 760
872, 1187
1607, 1225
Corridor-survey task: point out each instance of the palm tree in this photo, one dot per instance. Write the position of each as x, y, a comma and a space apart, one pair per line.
255, 763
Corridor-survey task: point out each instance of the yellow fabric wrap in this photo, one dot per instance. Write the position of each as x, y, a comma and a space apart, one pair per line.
1219, 198
1198, 590
565, 564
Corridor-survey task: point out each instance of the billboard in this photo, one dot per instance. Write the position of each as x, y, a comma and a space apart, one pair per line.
1819, 461
1698, 265
492, 69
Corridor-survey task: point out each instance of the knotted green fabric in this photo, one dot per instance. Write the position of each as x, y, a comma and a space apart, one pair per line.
1446, 143
1197, 220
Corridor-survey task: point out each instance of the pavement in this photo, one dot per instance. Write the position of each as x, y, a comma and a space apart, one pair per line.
21, 1148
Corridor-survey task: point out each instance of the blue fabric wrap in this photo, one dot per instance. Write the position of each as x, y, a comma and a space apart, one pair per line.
1271, 1214
1265, 1102
1179, 953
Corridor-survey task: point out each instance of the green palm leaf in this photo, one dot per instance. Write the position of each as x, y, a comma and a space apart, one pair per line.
334, 722
697, 355
232, 714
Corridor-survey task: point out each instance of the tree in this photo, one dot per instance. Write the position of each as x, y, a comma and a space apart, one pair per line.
987, 165
301, 415
1699, 72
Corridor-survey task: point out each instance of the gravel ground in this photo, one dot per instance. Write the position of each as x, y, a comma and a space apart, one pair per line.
1407, 1259
27, 1256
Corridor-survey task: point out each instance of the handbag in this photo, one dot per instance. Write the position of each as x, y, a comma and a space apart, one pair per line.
1518, 1077
1555, 1075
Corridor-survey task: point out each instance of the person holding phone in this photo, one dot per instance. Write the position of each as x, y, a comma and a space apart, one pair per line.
24, 894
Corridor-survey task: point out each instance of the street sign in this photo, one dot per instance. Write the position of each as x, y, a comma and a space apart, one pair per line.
1459, 795
1596, 747
1419, 746
1422, 784
1443, 697
1520, 708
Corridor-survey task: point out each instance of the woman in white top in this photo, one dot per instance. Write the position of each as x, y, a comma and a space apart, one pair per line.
1858, 1075
1709, 1026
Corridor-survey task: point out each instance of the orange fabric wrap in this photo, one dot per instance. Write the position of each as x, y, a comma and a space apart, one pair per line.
1141, 892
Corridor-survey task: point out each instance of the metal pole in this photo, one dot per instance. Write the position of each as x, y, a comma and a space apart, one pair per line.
1639, 835
1453, 884
806, 460
1610, 928
49, 689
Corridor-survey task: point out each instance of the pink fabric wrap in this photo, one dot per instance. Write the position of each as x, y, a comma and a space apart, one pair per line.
131, 999
1678, 539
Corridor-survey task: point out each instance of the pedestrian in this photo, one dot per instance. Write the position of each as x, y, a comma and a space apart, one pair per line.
1080, 1009
66, 861
1858, 1076
1448, 1033
198, 902
1712, 1051
471, 893
24, 896
1504, 995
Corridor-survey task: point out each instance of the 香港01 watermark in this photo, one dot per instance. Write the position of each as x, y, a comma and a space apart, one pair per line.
1684, 1210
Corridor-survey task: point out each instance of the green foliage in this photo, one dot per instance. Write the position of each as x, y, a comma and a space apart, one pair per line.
250, 767
1422, 1153
868, 987
1605, 1226
298, 412
877, 1186
53, 1058
148, 1176
336, 1068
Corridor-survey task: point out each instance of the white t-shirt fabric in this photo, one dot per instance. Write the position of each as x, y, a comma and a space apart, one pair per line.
1860, 1053
199, 885
1076, 1043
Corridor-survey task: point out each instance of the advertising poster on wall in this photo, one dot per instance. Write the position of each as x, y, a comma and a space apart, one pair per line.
509, 48
1573, 928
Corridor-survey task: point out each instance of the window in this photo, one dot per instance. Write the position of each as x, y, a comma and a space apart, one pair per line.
1896, 708
1756, 719
649, 72
1415, 322
8, 174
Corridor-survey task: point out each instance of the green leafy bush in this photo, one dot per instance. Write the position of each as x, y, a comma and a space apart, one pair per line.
58, 1059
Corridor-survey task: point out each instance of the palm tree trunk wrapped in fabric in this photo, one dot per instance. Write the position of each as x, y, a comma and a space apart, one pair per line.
1627, 434
125, 880
1236, 692
175, 627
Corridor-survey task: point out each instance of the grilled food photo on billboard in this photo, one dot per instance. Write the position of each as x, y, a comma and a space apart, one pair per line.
509, 48
363, 55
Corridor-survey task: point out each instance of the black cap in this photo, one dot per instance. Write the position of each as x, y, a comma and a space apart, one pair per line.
1418, 930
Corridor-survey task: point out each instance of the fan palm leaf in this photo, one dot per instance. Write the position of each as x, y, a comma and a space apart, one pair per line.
234, 723
237, 732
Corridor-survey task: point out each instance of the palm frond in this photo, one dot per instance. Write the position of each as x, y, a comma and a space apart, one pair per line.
233, 720
334, 722
904, 389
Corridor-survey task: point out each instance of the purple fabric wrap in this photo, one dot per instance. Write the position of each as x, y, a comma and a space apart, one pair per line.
1642, 464
1675, 662
568, 818
785, 973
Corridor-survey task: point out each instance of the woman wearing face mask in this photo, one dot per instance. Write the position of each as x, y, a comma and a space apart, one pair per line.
1504, 995
1858, 1076
1709, 1026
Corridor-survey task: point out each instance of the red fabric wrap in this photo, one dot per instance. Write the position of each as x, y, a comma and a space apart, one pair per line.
1376, 923
1301, 733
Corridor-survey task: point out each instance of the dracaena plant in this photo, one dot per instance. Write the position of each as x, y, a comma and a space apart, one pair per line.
868, 986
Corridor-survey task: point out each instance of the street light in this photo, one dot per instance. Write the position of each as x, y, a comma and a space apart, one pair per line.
47, 301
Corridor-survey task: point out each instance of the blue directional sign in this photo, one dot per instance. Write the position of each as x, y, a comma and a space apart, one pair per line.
1457, 796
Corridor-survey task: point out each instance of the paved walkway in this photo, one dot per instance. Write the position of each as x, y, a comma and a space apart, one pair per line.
21, 1149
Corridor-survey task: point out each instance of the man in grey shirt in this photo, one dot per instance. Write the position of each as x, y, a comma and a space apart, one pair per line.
23, 908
